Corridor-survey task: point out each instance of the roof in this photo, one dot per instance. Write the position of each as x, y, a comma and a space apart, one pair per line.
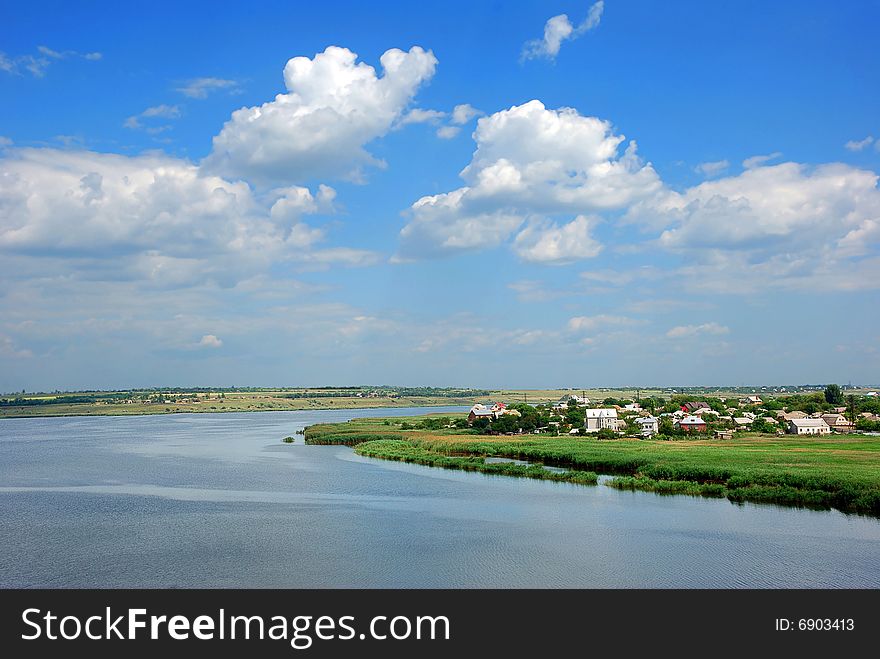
601, 412
692, 421
742, 420
645, 420
693, 406
808, 423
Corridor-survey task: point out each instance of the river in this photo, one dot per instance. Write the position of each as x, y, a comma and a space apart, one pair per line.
217, 500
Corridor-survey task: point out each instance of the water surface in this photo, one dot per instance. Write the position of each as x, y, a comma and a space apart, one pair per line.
217, 500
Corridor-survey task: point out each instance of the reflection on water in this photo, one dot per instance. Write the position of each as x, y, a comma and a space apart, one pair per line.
218, 500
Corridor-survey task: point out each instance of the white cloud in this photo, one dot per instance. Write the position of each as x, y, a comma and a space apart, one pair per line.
859, 145
201, 87
758, 161
712, 168
463, 113
689, 331
333, 107
5, 141
448, 132
559, 29
8, 348
421, 116
601, 321
37, 65
154, 218
530, 162
157, 111
788, 206
210, 341
549, 243
45, 50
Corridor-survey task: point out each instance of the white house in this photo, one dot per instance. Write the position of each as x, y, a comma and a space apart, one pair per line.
600, 418
648, 425
562, 404
751, 400
808, 427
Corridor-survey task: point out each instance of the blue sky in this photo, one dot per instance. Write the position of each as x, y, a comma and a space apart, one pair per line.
474, 194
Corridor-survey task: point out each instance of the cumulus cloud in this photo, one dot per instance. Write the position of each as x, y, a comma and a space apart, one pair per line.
758, 161
334, 106
552, 244
712, 168
558, 29
463, 113
153, 217
421, 116
859, 145
789, 204
202, 87
530, 163
210, 341
448, 132
689, 331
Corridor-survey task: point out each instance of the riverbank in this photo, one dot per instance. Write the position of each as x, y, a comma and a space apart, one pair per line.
837, 471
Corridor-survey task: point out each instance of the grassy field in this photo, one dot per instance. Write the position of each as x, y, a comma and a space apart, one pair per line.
267, 401
837, 471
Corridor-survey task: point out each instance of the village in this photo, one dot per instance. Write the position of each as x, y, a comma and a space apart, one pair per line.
654, 417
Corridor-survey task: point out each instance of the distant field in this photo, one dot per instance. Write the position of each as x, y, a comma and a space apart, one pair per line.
258, 400
231, 402
836, 471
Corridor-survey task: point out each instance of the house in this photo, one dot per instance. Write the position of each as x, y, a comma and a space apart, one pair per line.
808, 427
750, 400
722, 434
633, 407
837, 422
872, 394
480, 411
691, 424
648, 426
562, 404
742, 422
691, 408
788, 416
597, 419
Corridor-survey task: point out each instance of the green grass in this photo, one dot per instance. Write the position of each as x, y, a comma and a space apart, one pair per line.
402, 450
836, 471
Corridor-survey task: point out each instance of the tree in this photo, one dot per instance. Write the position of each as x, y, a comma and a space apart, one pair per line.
833, 394
506, 423
529, 418
851, 405
575, 416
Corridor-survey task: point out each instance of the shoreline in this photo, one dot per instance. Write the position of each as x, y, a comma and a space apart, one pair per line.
831, 474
